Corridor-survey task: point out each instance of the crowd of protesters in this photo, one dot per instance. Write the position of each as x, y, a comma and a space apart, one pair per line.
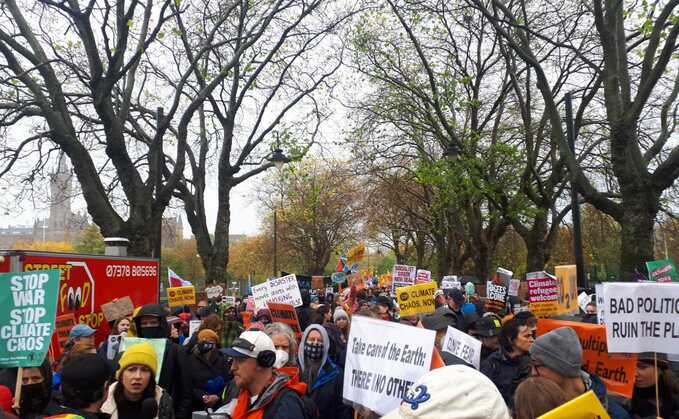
261, 369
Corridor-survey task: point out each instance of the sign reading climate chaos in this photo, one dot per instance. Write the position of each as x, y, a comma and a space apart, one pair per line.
28, 302
416, 299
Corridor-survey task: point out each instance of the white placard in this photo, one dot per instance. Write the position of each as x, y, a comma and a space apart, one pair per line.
449, 282
422, 276
193, 327
285, 290
383, 360
514, 285
328, 291
113, 346
641, 317
261, 293
214, 292
402, 276
463, 346
229, 299
583, 300
599, 290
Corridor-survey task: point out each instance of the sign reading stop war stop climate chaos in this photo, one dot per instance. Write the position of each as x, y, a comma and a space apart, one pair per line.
641, 317
383, 360
28, 303
615, 370
543, 293
416, 299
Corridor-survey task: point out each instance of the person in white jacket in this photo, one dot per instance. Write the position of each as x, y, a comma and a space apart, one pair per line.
136, 395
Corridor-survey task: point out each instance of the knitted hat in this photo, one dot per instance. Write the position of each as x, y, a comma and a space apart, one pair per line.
139, 354
339, 314
473, 396
208, 334
5, 399
560, 351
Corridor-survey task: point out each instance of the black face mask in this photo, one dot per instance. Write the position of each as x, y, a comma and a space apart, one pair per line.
34, 398
153, 333
205, 347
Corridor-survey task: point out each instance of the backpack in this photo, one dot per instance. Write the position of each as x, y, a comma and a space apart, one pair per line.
308, 405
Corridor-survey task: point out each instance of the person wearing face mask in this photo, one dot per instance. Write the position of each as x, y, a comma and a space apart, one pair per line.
36, 390
135, 395
323, 378
150, 322
232, 327
209, 371
286, 347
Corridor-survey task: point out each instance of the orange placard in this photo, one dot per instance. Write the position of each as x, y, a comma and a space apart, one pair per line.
247, 318
62, 327
285, 313
615, 370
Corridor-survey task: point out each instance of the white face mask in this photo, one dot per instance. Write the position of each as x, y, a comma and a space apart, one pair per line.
282, 358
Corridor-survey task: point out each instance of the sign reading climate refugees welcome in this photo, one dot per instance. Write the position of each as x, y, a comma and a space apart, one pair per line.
383, 360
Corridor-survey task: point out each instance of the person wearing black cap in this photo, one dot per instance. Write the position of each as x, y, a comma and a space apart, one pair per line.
84, 386
384, 307
439, 322
643, 403
454, 299
487, 329
151, 323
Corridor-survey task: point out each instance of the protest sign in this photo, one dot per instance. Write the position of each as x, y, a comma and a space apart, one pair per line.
179, 296
600, 312
250, 304
616, 371
229, 300
422, 276
261, 294
568, 289
214, 292
463, 346
356, 254
514, 285
158, 346
662, 270
641, 317
543, 293
329, 290
583, 300
503, 276
62, 326
585, 406
383, 360
338, 277
285, 290
193, 326
28, 304
402, 276
113, 346
247, 318
416, 299
285, 313
496, 297
449, 282
317, 282
118, 309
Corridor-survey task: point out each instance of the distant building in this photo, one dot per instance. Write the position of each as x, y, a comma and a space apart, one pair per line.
172, 230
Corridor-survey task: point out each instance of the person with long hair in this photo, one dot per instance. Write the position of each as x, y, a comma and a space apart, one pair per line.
536, 396
136, 395
643, 403
285, 342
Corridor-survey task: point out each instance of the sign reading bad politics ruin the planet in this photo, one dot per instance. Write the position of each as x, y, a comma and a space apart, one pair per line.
28, 304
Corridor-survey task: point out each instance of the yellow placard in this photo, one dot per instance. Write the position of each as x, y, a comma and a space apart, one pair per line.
568, 289
586, 406
416, 299
179, 296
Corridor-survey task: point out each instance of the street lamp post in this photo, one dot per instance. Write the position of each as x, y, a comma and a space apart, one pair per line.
575, 204
278, 159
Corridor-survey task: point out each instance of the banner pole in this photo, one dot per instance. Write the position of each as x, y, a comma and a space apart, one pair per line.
17, 389
657, 398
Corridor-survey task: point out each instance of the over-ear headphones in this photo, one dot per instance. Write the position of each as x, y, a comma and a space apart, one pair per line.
265, 358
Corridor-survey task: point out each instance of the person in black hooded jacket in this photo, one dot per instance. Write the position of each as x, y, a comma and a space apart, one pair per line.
36, 389
151, 323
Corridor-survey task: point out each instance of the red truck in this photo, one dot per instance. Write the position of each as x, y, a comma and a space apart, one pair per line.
88, 281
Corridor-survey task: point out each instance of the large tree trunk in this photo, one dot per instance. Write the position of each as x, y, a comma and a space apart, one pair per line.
638, 219
537, 244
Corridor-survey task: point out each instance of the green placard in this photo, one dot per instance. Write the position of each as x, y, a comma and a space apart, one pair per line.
158, 345
662, 270
338, 277
28, 305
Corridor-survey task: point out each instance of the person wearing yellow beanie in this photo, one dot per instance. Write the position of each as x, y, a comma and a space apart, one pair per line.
128, 397
208, 334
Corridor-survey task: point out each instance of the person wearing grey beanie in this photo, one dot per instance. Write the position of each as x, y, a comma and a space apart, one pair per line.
341, 319
557, 356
